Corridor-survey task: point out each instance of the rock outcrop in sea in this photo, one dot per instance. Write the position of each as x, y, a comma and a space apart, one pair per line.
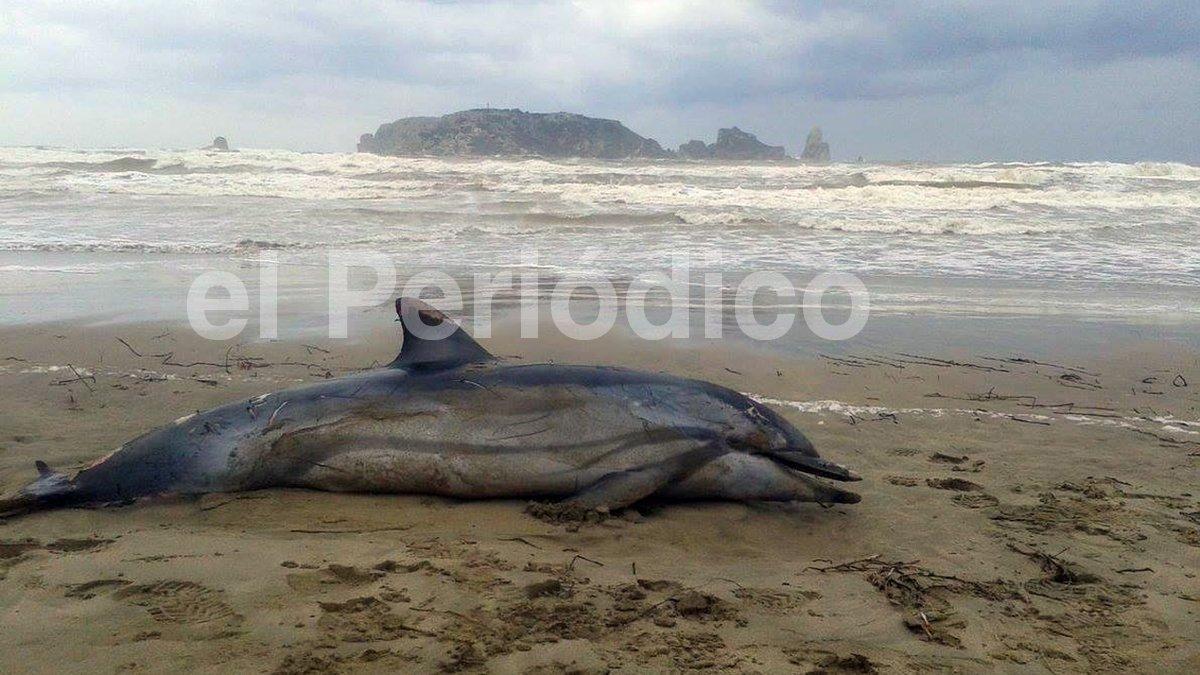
733, 144
219, 143
815, 149
695, 150
490, 132
510, 132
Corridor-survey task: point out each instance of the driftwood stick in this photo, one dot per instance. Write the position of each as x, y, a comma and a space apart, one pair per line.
84, 379
571, 565
521, 540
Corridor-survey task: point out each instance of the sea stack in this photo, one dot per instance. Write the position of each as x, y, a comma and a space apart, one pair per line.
733, 144
218, 143
815, 149
695, 150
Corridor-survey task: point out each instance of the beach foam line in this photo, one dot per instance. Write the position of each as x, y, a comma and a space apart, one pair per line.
1167, 423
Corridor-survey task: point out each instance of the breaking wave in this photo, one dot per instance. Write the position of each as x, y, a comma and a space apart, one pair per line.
1107, 221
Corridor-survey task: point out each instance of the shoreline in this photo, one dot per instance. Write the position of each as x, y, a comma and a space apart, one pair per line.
1034, 319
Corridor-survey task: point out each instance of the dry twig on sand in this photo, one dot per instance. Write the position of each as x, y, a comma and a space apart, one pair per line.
86, 380
921, 593
1039, 363
232, 359
521, 540
917, 359
1056, 569
571, 565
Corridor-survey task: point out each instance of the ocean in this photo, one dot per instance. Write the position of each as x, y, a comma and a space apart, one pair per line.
118, 232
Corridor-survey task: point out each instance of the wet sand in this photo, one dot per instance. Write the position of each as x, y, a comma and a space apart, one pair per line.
1040, 517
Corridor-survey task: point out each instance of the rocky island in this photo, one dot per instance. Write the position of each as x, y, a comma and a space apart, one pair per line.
733, 144
488, 132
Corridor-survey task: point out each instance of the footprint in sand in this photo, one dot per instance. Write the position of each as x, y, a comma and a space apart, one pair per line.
318, 580
310, 662
77, 545
90, 589
685, 651
975, 500
815, 660
958, 462
955, 484
180, 602
13, 553
13, 549
971, 495
772, 601
366, 619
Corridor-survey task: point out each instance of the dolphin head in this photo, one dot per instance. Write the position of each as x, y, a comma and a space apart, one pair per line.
757, 429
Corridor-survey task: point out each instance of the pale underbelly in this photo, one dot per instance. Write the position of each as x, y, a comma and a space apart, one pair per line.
420, 457
516, 474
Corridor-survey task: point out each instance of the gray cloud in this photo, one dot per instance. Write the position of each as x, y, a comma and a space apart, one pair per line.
878, 75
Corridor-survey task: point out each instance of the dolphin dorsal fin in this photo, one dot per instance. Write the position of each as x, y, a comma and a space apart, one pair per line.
453, 349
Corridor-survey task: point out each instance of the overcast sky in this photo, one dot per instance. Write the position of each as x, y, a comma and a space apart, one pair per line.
919, 79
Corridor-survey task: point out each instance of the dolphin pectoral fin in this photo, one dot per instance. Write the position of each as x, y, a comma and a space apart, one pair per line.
618, 490
622, 488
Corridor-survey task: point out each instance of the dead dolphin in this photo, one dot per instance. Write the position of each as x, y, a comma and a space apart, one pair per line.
448, 418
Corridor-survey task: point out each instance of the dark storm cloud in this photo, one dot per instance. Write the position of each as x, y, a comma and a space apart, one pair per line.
899, 49
383, 59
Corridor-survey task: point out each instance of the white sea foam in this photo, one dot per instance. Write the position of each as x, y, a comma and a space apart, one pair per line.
1089, 221
1168, 425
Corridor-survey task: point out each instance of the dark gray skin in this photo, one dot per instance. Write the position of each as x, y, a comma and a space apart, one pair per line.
448, 418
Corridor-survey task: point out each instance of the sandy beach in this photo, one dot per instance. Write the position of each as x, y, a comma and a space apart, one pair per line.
1017, 514
954, 245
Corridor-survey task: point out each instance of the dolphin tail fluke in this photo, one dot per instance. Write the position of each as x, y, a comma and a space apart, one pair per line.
15, 506
814, 465
50, 489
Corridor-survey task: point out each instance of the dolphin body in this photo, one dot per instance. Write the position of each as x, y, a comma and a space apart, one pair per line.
448, 418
